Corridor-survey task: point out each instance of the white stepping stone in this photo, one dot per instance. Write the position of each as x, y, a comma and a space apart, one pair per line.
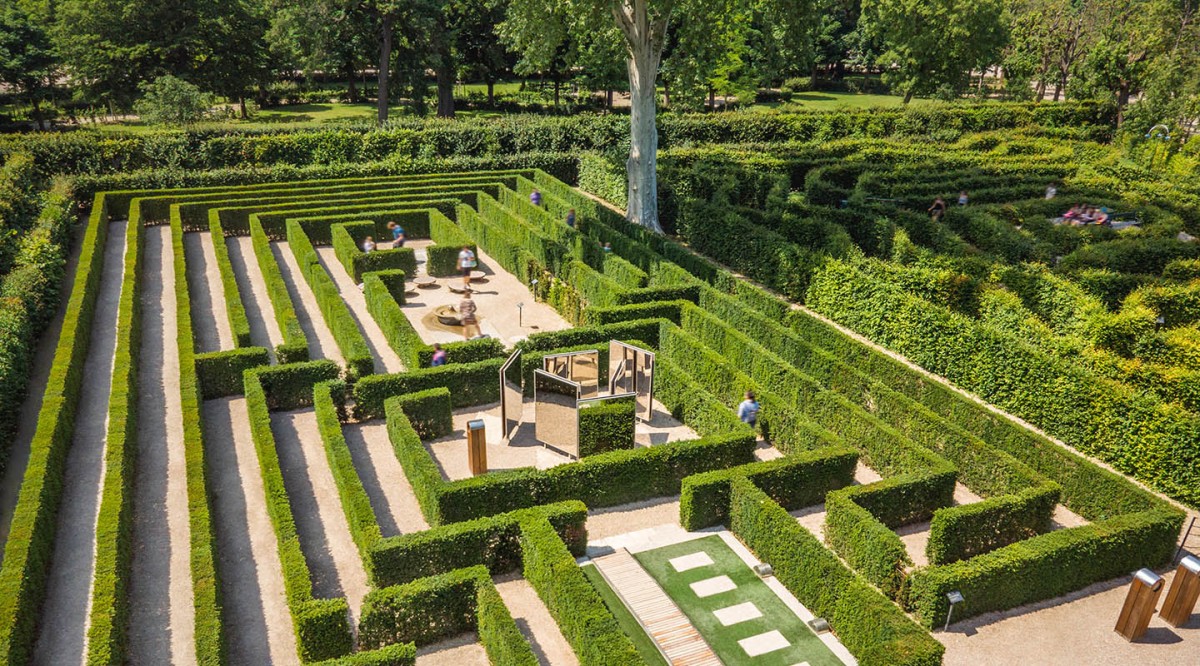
711, 586
763, 643
689, 562
738, 613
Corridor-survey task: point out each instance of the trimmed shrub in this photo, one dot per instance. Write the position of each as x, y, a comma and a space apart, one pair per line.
866, 544
442, 258
423, 611
399, 654
294, 348
291, 386
607, 426
469, 383
347, 243
235, 309
429, 412
961, 532
795, 481
220, 373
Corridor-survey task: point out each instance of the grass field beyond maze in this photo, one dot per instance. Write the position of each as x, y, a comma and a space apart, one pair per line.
315, 431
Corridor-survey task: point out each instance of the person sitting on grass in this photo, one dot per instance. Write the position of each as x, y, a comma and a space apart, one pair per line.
466, 314
369, 244
397, 234
439, 355
466, 264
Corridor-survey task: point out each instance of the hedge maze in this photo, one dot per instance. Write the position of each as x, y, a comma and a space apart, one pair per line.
839, 413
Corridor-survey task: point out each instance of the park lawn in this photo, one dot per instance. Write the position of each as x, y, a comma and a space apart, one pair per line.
821, 100
629, 624
805, 645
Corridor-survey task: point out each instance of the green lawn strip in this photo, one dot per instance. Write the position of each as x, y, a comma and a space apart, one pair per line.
805, 645
629, 624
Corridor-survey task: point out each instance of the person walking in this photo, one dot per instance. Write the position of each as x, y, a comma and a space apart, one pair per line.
1051, 191
962, 198
397, 234
535, 197
938, 209
748, 410
368, 244
466, 313
439, 355
466, 264
571, 218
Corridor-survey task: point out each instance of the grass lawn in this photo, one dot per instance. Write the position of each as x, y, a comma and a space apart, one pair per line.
824, 101
628, 622
804, 644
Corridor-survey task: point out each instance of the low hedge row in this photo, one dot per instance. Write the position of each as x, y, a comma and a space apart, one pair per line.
601, 316
795, 481
294, 348
429, 412
1045, 566
866, 622
206, 587
30, 546
220, 373
973, 529
343, 327
449, 239
469, 383
347, 241
606, 426
235, 308
414, 221
574, 604
108, 614
606, 479
398, 654
493, 542
322, 626
291, 386
431, 609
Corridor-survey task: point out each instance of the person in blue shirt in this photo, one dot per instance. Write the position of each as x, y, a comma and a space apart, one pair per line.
535, 198
397, 234
748, 410
571, 218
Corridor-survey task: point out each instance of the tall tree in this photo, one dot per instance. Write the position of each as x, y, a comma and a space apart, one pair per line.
934, 44
480, 55
27, 59
536, 28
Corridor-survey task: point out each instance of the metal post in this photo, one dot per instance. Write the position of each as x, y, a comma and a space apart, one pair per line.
955, 598
520, 313
1183, 542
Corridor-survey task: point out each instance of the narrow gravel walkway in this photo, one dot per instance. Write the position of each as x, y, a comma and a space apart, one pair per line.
332, 556
264, 329
392, 497
386, 360
258, 625
210, 318
320, 341
18, 456
161, 614
62, 635
535, 622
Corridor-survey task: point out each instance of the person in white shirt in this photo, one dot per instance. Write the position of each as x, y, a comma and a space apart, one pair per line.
466, 264
369, 244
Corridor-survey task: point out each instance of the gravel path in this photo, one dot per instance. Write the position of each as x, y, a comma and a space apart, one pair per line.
464, 650
386, 360
210, 323
333, 558
162, 618
62, 635
258, 626
535, 622
392, 497
264, 329
320, 341
18, 457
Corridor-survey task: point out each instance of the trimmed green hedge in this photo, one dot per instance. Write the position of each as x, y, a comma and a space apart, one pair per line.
606, 479
866, 622
220, 373
291, 386
962, 532
493, 541
449, 239
294, 348
574, 604
106, 637
1045, 566
206, 587
347, 244
469, 383
235, 309
343, 327
429, 412
795, 481
606, 427
322, 626
870, 547
30, 545
398, 654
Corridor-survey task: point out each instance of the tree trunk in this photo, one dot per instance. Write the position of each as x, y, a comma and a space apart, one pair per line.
37, 111
908, 95
1122, 101
557, 85
1058, 86
642, 165
242, 107
385, 62
712, 99
445, 88
666, 94
491, 93
353, 89
1041, 90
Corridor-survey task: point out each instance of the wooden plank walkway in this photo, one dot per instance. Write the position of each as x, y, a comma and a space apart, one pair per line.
666, 625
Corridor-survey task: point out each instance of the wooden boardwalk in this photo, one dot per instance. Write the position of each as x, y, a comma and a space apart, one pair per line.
669, 628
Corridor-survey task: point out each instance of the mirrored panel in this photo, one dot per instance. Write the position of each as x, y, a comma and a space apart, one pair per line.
581, 367
512, 400
631, 369
556, 416
645, 385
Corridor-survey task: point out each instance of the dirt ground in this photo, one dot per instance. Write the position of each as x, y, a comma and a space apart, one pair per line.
264, 330
391, 496
320, 340
210, 319
162, 618
63, 628
464, 650
535, 622
386, 360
